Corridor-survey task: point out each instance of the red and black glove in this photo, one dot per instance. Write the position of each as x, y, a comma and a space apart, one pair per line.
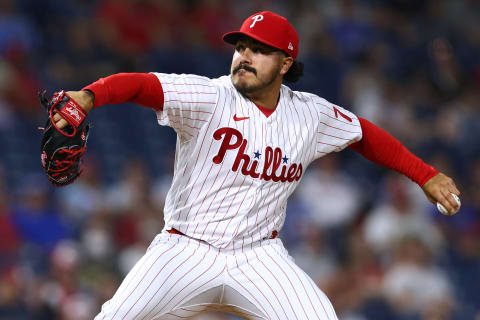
62, 149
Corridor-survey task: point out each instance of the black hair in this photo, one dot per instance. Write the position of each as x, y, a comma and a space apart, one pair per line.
294, 73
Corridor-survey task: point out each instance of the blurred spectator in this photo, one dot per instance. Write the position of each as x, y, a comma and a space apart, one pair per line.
16, 30
395, 218
312, 253
331, 196
17, 38
351, 29
365, 86
97, 239
445, 73
136, 222
6, 121
12, 305
22, 88
413, 284
131, 189
80, 200
130, 23
211, 18
355, 285
11, 240
34, 217
78, 307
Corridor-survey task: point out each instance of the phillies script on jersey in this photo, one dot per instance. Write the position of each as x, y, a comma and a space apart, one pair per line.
235, 167
232, 139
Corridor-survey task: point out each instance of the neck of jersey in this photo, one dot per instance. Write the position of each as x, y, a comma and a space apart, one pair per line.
266, 111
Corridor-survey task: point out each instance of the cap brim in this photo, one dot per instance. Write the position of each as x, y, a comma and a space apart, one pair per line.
232, 38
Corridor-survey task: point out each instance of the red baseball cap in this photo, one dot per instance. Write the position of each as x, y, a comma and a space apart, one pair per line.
270, 29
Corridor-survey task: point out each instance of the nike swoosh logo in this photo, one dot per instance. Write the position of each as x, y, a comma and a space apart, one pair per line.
239, 118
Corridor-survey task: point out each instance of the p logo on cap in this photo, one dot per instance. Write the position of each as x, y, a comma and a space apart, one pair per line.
255, 19
268, 28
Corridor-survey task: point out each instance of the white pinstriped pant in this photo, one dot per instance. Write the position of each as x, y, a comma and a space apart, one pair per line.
179, 277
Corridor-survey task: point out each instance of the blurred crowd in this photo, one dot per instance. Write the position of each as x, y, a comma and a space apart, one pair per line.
366, 235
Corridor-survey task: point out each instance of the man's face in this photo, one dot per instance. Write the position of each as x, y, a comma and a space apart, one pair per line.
255, 65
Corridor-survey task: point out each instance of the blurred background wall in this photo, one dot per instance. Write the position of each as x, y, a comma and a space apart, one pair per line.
367, 236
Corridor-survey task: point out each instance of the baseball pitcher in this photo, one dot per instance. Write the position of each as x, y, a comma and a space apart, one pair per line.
244, 142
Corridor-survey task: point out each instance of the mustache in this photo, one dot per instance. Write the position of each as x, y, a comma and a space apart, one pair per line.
244, 67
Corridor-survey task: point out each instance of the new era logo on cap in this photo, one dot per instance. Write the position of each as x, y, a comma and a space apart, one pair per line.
270, 29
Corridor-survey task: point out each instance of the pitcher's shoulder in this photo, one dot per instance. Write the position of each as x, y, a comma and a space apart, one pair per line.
302, 96
223, 81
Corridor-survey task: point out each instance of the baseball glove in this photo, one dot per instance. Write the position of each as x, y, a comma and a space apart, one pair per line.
62, 149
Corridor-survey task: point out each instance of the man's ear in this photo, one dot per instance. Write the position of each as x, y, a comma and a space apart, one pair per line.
286, 64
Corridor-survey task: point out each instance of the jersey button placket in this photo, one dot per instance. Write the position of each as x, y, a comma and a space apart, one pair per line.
269, 130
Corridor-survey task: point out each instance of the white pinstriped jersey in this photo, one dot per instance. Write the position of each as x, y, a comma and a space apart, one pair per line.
235, 167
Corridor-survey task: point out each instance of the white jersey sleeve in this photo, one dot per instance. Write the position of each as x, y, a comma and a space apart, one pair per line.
337, 127
188, 103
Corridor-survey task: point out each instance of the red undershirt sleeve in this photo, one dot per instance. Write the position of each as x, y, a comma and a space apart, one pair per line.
141, 88
381, 148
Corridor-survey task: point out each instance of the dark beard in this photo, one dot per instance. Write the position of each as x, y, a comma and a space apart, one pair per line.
247, 89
